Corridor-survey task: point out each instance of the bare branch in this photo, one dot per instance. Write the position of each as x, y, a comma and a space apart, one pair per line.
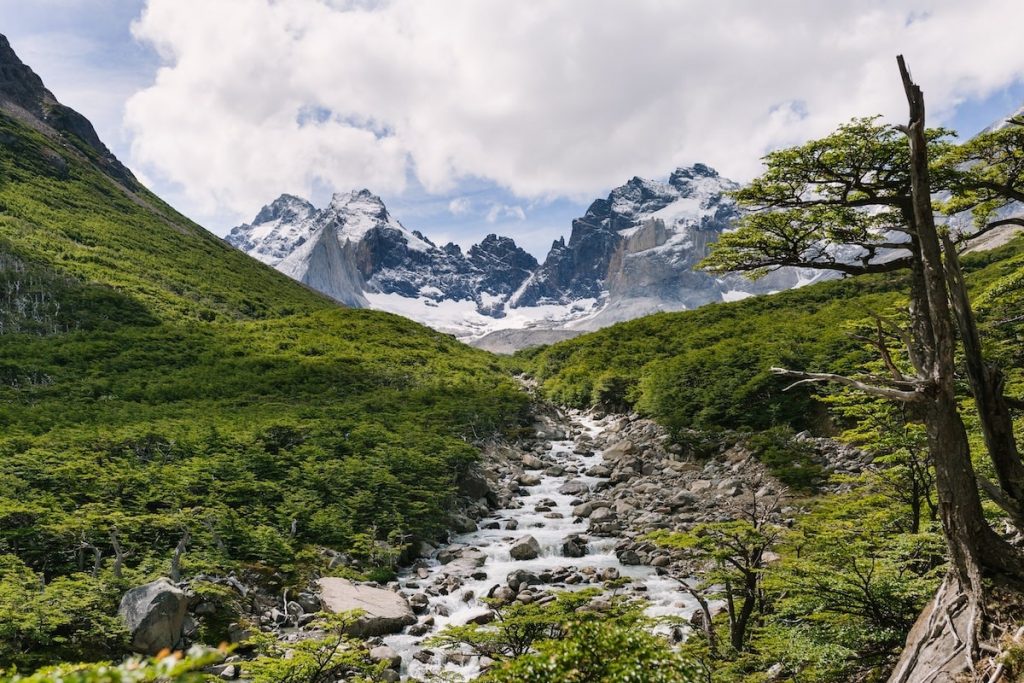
965, 240
999, 497
914, 396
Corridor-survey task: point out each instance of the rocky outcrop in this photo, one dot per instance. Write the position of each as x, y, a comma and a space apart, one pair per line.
384, 611
23, 95
154, 614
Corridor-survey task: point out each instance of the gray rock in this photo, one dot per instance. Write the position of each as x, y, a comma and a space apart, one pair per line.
383, 653
474, 485
309, 602
684, 500
532, 462
528, 479
573, 488
628, 557
461, 523
154, 614
419, 602
481, 618
526, 548
383, 611
619, 450
583, 509
521, 578
574, 546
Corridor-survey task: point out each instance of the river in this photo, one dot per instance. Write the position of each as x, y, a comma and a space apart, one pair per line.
547, 515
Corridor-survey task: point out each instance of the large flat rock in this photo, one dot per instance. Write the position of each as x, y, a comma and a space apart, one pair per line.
384, 611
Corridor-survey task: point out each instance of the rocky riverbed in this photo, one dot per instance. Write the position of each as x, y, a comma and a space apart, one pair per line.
552, 530
570, 509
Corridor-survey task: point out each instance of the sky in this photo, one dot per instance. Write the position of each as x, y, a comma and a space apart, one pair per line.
477, 116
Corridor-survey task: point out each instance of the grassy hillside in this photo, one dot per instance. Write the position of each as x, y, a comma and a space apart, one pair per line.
709, 368
157, 384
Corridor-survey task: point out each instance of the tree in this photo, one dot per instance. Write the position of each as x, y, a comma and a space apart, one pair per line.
860, 201
598, 652
517, 628
732, 555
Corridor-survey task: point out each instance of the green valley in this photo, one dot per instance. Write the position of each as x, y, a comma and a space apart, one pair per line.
212, 471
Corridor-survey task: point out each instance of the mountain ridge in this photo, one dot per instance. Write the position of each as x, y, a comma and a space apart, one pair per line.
631, 253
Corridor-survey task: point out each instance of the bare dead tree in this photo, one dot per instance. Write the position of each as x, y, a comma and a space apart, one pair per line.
179, 550
115, 542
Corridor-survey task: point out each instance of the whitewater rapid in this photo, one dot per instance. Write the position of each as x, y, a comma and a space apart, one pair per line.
550, 527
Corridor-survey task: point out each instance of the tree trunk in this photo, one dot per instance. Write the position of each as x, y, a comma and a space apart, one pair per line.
987, 386
972, 542
739, 627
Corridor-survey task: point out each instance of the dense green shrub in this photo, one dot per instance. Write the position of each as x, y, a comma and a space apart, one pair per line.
159, 387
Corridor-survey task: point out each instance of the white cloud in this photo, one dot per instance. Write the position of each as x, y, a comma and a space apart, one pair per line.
546, 99
499, 211
460, 206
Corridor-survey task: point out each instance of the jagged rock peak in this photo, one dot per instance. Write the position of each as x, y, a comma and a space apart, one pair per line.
691, 172
503, 250
362, 201
286, 207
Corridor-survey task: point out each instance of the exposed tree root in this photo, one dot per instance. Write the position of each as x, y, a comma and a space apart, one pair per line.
963, 638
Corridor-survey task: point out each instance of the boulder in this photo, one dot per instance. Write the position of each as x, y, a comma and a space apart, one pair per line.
383, 611
574, 487
462, 523
574, 546
154, 614
618, 450
526, 548
528, 479
419, 602
520, 578
383, 653
628, 556
684, 500
532, 462
583, 509
474, 485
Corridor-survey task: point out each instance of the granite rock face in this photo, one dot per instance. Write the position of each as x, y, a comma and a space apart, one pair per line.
154, 614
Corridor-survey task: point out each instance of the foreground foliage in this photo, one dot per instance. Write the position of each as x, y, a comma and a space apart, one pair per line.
567, 640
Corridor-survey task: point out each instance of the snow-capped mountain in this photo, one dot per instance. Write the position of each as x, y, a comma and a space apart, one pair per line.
635, 250
631, 253
354, 251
